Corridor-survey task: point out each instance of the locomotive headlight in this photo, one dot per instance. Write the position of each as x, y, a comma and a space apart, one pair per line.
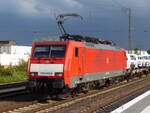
58, 73
34, 73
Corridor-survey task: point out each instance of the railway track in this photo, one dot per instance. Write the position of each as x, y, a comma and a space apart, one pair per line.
12, 89
90, 102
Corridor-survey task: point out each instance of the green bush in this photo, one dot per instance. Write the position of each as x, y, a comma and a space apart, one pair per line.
13, 74
5, 72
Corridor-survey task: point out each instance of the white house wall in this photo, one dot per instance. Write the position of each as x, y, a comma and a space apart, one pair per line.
17, 54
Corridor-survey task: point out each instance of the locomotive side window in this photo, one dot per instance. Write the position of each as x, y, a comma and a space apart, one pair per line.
76, 52
54, 51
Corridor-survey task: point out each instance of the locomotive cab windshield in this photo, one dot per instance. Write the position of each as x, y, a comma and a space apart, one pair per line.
49, 51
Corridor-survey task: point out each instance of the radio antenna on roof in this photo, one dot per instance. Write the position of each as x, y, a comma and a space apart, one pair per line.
63, 17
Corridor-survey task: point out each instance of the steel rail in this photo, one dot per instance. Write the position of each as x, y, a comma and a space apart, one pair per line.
12, 89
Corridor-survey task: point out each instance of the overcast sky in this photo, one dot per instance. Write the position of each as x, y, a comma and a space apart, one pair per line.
28, 20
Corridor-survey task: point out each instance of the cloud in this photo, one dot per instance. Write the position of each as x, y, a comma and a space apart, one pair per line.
47, 8
30, 8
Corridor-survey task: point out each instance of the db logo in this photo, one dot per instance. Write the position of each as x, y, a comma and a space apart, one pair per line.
46, 61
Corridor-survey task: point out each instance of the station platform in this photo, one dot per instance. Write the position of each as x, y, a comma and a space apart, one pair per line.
140, 104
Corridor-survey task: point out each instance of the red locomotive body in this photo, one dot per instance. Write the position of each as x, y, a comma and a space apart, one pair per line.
71, 63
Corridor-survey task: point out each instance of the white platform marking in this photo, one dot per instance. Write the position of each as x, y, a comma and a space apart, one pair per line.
131, 103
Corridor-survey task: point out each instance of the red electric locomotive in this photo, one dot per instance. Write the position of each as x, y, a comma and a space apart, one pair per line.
72, 63
75, 62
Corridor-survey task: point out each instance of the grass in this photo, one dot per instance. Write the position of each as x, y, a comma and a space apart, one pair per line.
13, 74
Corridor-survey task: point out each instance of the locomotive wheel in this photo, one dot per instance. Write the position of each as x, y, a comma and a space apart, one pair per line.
73, 92
66, 92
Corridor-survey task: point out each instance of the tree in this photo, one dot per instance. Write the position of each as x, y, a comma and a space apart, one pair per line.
136, 50
148, 51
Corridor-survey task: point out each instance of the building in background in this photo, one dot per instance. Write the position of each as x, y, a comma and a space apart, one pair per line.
12, 54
